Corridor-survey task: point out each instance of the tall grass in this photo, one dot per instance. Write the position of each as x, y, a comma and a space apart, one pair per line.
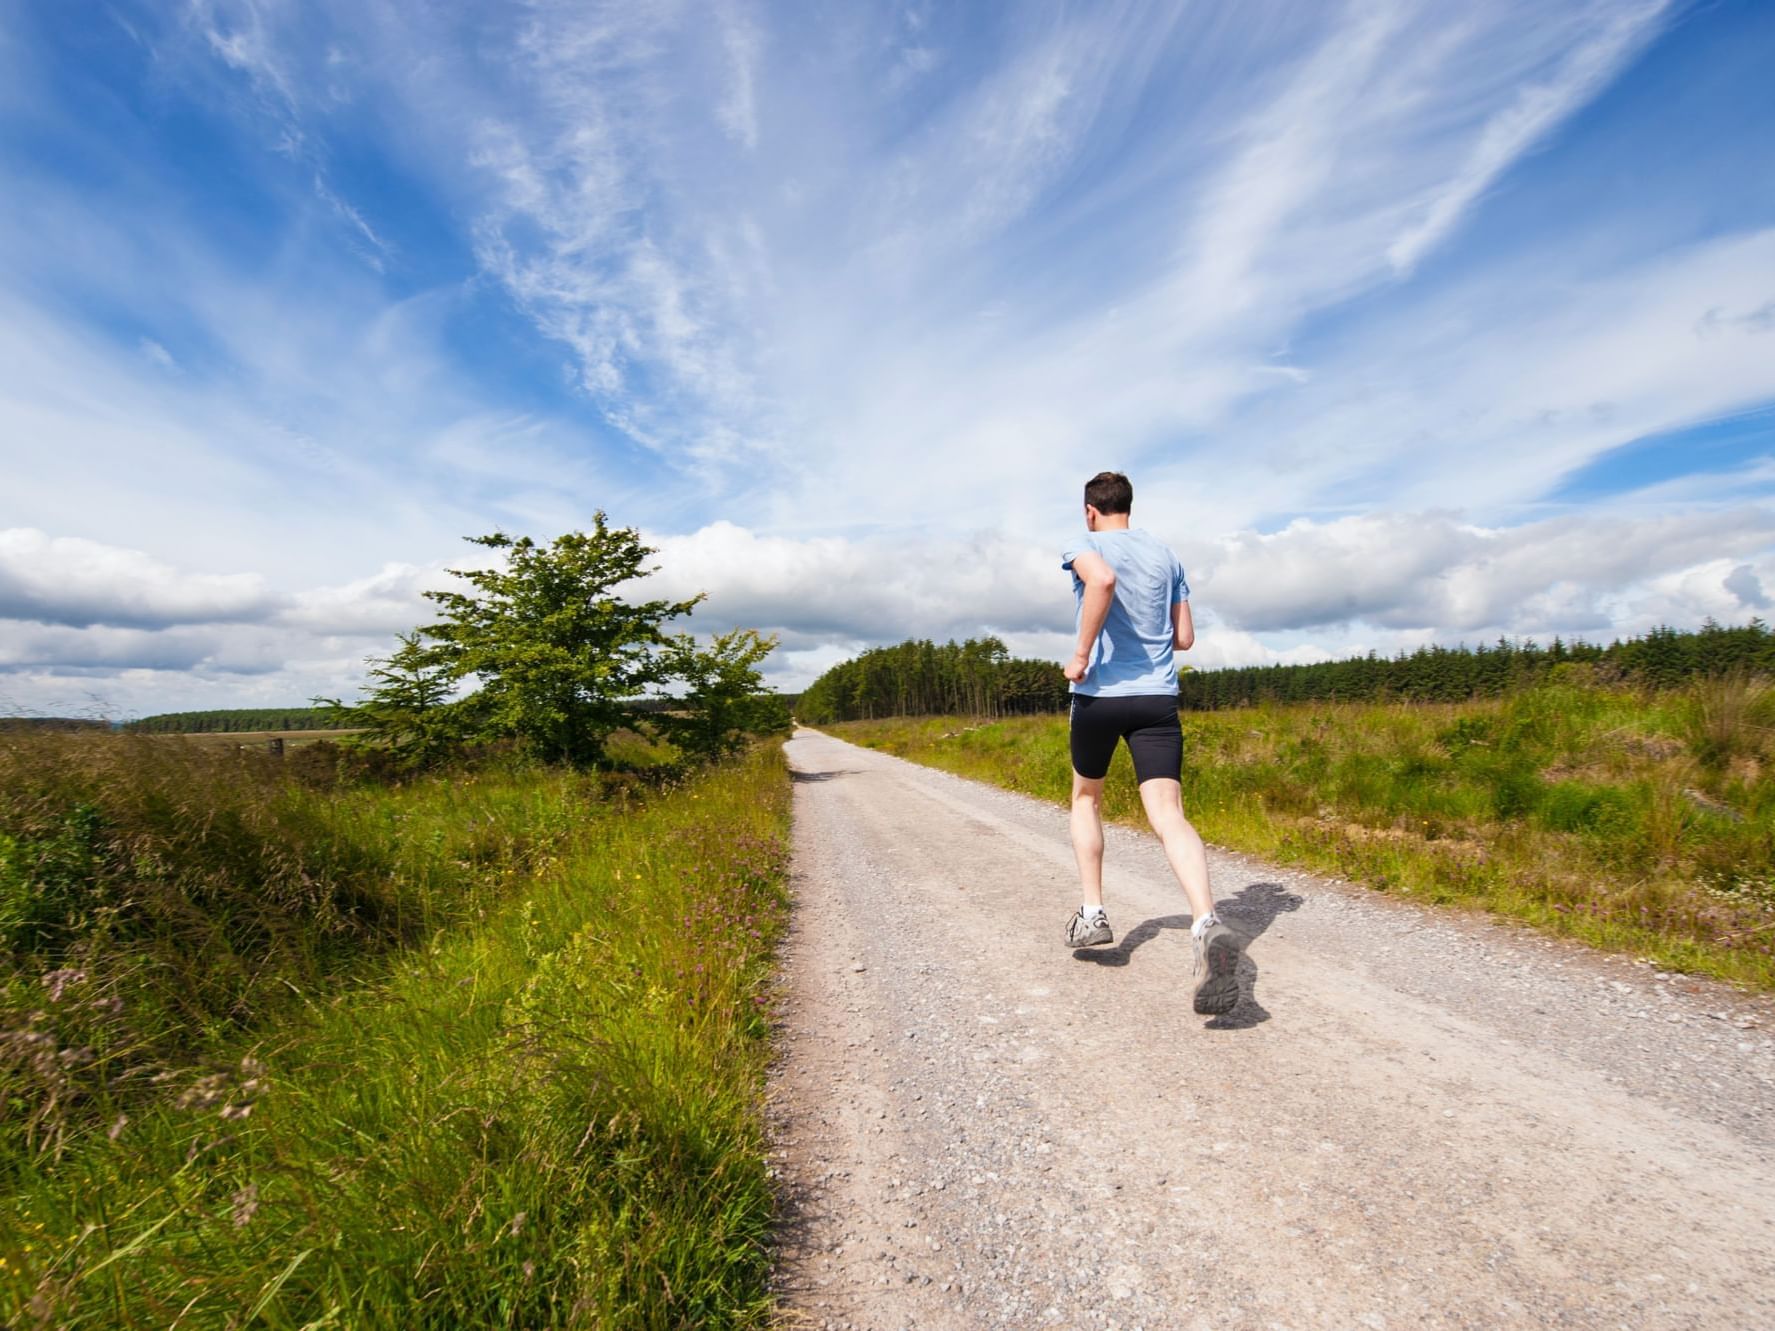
1639, 822
190, 895
514, 1081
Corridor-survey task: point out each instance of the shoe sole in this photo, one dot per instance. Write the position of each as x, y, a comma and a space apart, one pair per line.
1218, 994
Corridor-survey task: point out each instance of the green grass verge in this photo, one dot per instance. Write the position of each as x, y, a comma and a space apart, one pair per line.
549, 1114
1642, 824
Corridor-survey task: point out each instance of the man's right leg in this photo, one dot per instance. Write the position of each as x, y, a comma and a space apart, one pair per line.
1087, 836
1089, 926
1093, 743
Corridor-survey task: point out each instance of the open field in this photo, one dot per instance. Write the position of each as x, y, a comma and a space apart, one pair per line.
1642, 823
480, 1049
258, 738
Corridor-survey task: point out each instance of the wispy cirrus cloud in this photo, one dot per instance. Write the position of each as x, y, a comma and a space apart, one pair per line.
249, 38
746, 275
744, 43
1606, 40
1491, 391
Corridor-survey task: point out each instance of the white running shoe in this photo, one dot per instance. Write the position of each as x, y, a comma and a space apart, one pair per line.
1088, 931
1216, 970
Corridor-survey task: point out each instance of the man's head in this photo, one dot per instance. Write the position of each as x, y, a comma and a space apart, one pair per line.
1108, 494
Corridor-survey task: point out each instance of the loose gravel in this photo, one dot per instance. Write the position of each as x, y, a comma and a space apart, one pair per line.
1412, 1119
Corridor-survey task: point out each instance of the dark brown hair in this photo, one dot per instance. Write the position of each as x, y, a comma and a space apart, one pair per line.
1109, 492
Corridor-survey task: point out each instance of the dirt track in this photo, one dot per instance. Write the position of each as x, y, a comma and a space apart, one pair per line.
1412, 1119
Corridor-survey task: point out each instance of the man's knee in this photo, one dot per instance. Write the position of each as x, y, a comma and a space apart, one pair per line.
1163, 801
1087, 790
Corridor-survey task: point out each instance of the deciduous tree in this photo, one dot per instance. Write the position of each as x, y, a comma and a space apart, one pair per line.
555, 652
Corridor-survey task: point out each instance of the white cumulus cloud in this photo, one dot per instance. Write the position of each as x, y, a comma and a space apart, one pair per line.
76, 582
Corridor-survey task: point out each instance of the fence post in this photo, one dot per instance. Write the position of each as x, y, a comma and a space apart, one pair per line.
277, 747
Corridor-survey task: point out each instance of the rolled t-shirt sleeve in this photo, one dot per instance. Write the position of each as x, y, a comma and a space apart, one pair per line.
1179, 584
1078, 546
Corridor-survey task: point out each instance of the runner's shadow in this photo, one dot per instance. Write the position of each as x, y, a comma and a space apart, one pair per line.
1256, 906
1142, 933
1248, 914
795, 775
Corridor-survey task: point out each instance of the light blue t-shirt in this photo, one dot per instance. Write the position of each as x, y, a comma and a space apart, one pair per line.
1133, 655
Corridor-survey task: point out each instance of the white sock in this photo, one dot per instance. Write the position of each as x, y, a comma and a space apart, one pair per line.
1202, 924
1088, 910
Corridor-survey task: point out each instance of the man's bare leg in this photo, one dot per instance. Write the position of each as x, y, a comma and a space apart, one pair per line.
1215, 976
1184, 850
1087, 835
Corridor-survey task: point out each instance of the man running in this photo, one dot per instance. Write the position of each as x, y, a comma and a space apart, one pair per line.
1133, 614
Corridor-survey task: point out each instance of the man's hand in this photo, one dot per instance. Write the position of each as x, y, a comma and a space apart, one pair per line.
1077, 668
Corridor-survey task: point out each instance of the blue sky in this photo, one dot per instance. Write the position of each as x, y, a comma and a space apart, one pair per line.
1411, 321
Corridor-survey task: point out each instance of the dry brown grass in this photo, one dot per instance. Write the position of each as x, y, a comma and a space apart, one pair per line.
1730, 716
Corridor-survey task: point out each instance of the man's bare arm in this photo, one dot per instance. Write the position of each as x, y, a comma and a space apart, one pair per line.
1183, 627
1100, 589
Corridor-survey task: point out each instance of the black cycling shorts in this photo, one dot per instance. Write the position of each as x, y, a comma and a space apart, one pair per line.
1149, 724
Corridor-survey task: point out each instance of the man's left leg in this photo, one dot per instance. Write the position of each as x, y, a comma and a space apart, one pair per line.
1157, 750
1184, 851
1215, 951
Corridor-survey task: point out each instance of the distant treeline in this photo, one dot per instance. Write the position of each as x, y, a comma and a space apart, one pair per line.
979, 677
1662, 658
228, 721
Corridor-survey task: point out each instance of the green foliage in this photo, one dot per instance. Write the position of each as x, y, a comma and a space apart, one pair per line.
543, 652
723, 701
544, 1110
556, 654
49, 886
1601, 811
408, 707
920, 678
206, 890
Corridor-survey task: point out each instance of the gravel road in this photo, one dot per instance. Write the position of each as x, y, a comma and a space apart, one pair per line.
1412, 1119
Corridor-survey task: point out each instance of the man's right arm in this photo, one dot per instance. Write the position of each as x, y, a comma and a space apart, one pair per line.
1183, 627
1100, 590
